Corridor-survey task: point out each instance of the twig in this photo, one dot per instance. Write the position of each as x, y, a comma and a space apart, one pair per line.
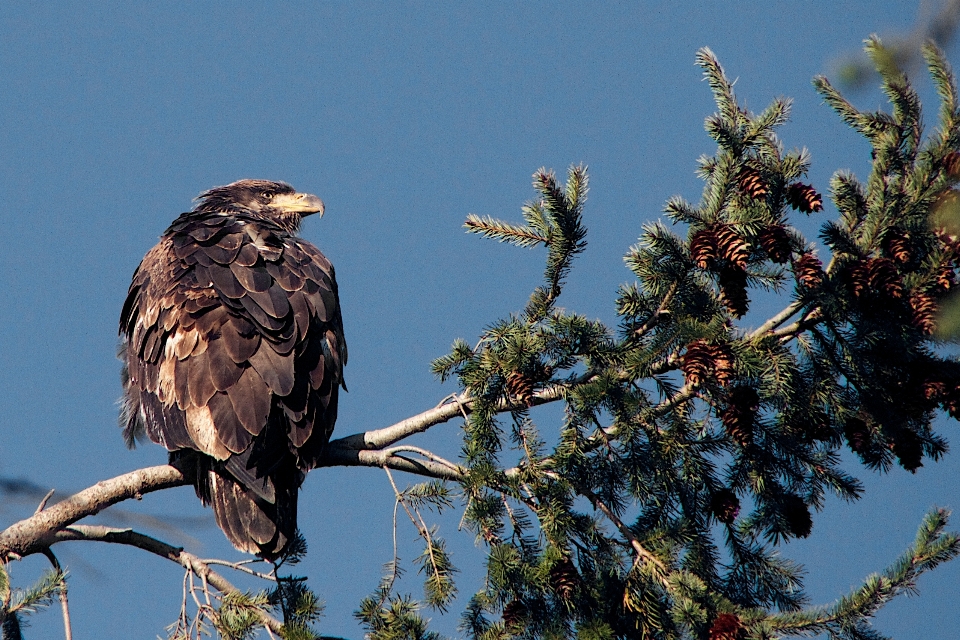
157, 547
64, 605
426, 454
238, 566
627, 533
43, 502
654, 319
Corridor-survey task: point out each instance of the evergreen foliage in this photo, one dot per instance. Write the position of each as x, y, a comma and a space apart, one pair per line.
15, 604
691, 447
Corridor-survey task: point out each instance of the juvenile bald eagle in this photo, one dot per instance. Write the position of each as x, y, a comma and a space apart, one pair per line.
233, 353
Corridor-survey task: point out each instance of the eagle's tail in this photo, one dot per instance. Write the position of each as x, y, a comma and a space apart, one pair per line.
251, 523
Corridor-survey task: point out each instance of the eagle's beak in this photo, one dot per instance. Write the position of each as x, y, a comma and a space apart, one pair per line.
300, 203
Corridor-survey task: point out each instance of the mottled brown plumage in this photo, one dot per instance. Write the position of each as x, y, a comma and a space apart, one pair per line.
233, 352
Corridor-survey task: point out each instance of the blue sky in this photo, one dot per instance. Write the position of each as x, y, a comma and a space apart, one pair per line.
404, 118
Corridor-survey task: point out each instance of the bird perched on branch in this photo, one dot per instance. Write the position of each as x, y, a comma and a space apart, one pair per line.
233, 353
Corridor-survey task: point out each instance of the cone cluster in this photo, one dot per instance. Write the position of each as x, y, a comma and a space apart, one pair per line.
703, 361
873, 276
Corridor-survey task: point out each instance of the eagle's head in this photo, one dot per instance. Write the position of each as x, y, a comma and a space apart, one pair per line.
274, 201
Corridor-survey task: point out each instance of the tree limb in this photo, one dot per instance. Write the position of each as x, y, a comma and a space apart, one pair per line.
39, 531
157, 547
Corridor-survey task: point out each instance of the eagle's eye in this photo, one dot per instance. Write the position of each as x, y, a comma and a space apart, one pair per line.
267, 195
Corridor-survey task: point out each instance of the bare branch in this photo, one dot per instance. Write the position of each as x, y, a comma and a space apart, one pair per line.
461, 404
187, 560
37, 532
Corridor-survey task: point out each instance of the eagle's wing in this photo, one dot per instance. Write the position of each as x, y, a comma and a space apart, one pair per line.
229, 331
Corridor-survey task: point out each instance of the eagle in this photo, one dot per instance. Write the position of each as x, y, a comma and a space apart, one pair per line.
233, 351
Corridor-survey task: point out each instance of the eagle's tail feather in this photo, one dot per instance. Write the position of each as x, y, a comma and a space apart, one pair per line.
252, 524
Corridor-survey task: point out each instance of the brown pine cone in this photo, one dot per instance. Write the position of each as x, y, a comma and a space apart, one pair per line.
722, 363
951, 164
697, 363
885, 278
775, 240
808, 270
857, 433
564, 578
732, 246
797, 514
514, 614
896, 244
945, 279
733, 291
908, 448
703, 247
751, 183
726, 626
804, 198
856, 274
924, 309
740, 413
725, 505
520, 387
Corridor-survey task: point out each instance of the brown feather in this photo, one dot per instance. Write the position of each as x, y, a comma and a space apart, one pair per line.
229, 429
276, 370
225, 282
224, 371
251, 401
253, 278
238, 344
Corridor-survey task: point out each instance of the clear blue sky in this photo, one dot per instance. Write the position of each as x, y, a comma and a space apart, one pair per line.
403, 117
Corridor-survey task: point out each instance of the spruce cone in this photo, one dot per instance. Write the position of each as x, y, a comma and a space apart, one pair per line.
908, 448
924, 309
726, 626
733, 291
725, 505
722, 363
740, 413
817, 428
885, 278
857, 433
896, 244
697, 363
804, 198
520, 387
751, 183
703, 247
857, 277
731, 246
775, 240
702, 361
945, 279
808, 270
951, 164
797, 514
514, 614
564, 579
